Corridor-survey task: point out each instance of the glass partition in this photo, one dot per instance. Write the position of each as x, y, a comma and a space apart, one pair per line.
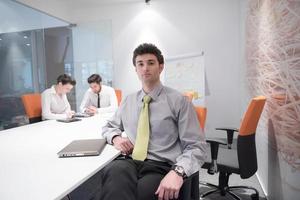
36, 48
22, 58
17, 17
92, 44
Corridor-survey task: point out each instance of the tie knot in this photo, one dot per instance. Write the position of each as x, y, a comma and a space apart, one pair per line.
147, 99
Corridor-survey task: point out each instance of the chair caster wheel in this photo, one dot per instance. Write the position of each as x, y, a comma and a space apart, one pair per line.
254, 196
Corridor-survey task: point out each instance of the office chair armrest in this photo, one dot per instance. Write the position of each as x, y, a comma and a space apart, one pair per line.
214, 148
228, 128
215, 141
230, 131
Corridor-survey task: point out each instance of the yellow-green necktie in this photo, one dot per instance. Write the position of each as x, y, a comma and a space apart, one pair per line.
143, 132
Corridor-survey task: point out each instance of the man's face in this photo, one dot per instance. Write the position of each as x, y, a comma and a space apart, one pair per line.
95, 87
148, 68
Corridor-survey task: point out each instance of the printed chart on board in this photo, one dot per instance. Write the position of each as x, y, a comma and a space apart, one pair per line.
186, 74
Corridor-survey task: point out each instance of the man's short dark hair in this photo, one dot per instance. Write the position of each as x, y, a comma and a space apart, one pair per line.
148, 48
94, 78
65, 79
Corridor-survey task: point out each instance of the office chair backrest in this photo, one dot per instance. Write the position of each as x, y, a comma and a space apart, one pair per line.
252, 115
246, 148
201, 114
33, 106
201, 111
119, 95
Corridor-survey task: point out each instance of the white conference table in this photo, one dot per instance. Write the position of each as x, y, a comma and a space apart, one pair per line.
30, 168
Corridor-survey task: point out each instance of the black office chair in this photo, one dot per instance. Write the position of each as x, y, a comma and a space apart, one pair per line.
190, 188
240, 161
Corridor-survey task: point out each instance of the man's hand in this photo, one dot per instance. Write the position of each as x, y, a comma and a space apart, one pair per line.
91, 110
70, 114
169, 186
123, 144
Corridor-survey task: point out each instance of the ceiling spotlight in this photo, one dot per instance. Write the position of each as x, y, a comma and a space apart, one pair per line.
147, 2
25, 36
28, 44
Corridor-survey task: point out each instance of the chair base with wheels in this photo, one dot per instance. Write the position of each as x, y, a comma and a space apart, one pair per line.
224, 189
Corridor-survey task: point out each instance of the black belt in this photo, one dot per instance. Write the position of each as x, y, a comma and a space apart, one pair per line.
146, 160
158, 162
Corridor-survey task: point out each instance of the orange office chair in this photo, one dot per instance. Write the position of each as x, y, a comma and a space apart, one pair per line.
243, 160
201, 111
119, 95
33, 107
201, 114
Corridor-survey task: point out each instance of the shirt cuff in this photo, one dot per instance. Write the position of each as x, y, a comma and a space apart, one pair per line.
188, 170
111, 137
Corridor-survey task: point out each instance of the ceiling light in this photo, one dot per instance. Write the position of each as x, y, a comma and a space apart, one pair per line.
27, 44
0, 39
25, 36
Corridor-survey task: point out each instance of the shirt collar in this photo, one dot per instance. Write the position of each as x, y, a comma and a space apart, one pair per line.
96, 94
153, 94
52, 90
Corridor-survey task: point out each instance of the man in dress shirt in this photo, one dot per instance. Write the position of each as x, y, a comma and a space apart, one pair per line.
98, 98
175, 146
55, 104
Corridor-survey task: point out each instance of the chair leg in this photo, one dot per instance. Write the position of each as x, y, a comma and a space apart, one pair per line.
254, 196
208, 193
233, 195
208, 184
245, 187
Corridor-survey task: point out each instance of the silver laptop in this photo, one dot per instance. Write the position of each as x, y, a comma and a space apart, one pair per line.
69, 120
83, 148
82, 115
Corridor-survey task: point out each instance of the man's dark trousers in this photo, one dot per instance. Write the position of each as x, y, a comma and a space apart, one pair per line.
127, 179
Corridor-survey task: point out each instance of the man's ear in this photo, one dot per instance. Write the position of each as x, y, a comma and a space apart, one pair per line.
161, 67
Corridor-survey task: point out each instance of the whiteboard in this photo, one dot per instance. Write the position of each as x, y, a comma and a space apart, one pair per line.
186, 73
